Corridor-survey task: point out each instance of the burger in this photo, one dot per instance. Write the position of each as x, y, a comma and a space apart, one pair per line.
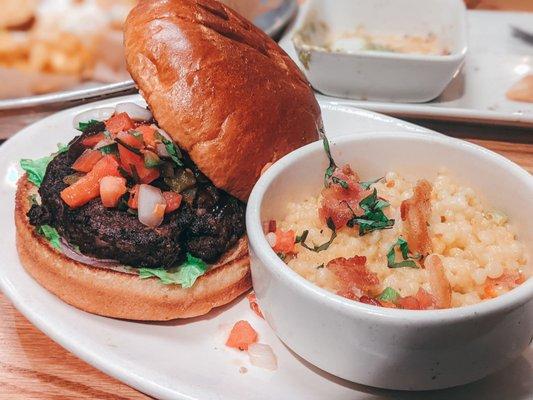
141, 216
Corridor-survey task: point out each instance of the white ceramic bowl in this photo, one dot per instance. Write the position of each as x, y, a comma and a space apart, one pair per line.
390, 348
376, 75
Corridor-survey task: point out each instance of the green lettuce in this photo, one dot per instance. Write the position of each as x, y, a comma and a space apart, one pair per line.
36, 169
51, 235
185, 276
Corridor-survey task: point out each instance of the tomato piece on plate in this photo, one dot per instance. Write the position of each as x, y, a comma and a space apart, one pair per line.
111, 189
87, 160
88, 187
252, 299
173, 200
241, 336
119, 122
93, 140
409, 303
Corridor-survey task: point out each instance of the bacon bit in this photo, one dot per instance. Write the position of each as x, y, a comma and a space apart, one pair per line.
252, 299
271, 226
285, 241
241, 336
370, 300
415, 214
440, 286
352, 273
337, 201
93, 140
507, 281
348, 294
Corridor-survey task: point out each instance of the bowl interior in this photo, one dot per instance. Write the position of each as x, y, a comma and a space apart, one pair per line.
444, 18
501, 184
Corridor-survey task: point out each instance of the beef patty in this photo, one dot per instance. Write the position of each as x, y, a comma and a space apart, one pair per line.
206, 226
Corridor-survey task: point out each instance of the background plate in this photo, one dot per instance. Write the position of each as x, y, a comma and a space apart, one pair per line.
187, 359
495, 61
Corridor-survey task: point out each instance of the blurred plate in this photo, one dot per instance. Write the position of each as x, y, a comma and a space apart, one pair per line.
496, 60
270, 15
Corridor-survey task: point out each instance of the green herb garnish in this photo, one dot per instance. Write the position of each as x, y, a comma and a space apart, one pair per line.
366, 185
186, 275
83, 126
408, 260
301, 239
373, 218
51, 235
109, 148
390, 295
332, 166
282, 256
341, 182
173, 151
61, 148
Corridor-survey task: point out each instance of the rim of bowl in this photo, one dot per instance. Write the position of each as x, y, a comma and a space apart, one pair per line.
271, 261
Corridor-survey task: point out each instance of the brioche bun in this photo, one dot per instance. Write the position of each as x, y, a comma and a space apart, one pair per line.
221, 88
122, 294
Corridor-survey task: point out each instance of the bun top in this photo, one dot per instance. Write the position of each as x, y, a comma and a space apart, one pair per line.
220, 87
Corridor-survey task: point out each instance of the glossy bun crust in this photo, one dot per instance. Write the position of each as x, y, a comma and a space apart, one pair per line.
121, 293
220, 87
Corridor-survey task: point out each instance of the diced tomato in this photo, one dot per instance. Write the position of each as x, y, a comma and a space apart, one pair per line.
133, 201
284, 241
353, 274
130, 140
88, 187
370, 300
173, 200
93, 140
129, 158
409, 303
119, 122
87, 160
147, 175
507, 281
425, 300
271, 226
252, 299
148, 135
241, 336
111, 189
340, 203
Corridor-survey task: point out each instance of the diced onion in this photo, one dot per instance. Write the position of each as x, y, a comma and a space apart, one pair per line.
162, 133
135, 111
97, 114
162, 150
151, 202
271, 239
262, 356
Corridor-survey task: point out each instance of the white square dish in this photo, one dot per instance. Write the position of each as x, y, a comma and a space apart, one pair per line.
336, 64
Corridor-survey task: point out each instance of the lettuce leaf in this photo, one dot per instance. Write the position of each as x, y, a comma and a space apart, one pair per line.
51, 235
185, 276
36, 169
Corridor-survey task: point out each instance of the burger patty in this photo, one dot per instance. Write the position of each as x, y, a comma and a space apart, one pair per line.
206, 227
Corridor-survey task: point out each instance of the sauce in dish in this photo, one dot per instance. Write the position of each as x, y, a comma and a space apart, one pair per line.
399, 242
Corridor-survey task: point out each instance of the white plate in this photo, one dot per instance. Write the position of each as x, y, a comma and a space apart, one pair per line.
496, 60
188, 359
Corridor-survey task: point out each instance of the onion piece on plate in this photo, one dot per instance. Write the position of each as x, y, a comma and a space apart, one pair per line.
262, 356
151, 207
97, 114
135, 111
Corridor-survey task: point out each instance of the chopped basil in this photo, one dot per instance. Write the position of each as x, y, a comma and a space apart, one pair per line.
373, 218
366, 185
173, 151
332, 166
408, 261
323, 246
341, 182
51, 235
283, 256
109, 148
389, 294
186, 275
301, 238
320, 266
84, 126
36, 169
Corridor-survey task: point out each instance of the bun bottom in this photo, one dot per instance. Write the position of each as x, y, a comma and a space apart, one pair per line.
121, 294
